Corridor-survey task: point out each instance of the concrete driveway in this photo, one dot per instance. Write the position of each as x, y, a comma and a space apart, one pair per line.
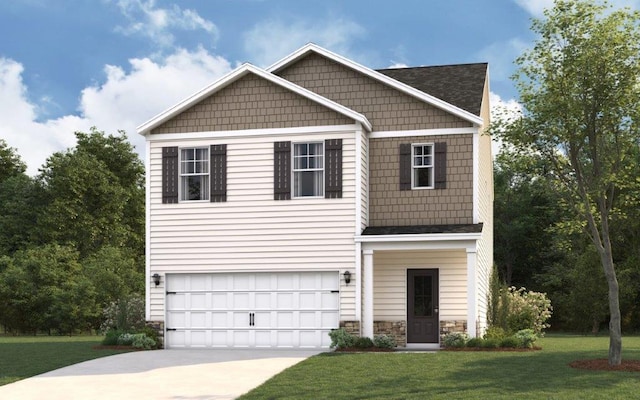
159, 374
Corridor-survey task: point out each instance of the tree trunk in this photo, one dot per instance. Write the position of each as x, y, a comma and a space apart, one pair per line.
615, 331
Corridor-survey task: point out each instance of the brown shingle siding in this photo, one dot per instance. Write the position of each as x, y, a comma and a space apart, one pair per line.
391, 207
251, 103
385, 107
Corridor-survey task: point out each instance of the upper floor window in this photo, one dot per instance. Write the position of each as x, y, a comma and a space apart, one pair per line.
422, 166
308, 169
194, 174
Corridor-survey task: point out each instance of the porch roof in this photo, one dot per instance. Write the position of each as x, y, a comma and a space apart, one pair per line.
422, 229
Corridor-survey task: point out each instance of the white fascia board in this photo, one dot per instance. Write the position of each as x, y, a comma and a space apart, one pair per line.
467, 245
422, 237
420, 95
225, 135
424, 132
238, 73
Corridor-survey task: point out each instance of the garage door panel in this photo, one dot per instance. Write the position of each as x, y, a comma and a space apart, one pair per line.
252, 309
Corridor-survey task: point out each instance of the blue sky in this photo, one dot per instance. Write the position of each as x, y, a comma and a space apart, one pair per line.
67, 65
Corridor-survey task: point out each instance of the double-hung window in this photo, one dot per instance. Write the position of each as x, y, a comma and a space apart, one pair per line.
308, 169
422, 156
194, 174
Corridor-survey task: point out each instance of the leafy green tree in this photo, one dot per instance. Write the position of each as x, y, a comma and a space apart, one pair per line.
44, 289
21, 200
579, 88
10, 162
96, 193
525, 208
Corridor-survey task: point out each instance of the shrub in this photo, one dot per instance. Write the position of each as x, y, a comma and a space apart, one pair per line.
455, 339
527, 336
363, 343
151, 333
126, 339
491, 343
511, 342
126, 315
142, 341
341, 339
111, 337
518, 309
495, 332
384, 341
475, 342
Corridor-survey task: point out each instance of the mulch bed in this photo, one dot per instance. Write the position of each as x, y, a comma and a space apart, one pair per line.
362, 350
602, 364
501, 349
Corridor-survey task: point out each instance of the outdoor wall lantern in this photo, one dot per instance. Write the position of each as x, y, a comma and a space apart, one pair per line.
156, 279
347, 277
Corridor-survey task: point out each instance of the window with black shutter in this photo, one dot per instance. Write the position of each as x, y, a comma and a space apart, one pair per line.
423, 166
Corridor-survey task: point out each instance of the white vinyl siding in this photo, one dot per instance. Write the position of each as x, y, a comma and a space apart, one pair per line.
251, 231
390, 282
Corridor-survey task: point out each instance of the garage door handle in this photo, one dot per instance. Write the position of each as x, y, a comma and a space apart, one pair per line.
251, 319
171, 329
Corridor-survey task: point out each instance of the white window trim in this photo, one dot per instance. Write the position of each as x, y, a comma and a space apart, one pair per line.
413, 167
293, 169
181, 175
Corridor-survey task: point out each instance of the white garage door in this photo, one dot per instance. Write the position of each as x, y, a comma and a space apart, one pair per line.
287, 309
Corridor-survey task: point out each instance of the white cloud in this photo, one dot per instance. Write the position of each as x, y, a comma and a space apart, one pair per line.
398, 65
507, 110
146, 19
123, 101
537, 7
273, 39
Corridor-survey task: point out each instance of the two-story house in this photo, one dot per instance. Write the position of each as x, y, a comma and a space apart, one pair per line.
317, 194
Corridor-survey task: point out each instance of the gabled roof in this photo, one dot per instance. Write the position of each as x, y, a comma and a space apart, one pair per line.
461, 85
233, 76
388, 80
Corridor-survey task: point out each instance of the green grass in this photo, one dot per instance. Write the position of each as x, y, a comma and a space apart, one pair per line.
25, 356
459, 375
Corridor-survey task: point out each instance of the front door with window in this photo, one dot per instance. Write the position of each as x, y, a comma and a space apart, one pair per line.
423, 324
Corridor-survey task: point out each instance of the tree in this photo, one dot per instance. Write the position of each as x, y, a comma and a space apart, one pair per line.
10, 162
96, 193
525, 208
579, 89
45, 288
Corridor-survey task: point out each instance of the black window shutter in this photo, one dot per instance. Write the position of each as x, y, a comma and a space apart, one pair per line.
405, 166
282, 170
169, 175
333, 169
218, 155
440, 165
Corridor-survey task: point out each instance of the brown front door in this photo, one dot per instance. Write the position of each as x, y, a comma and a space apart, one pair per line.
422, 306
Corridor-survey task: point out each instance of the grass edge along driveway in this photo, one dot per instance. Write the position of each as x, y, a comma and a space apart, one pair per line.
543, 374
25, 356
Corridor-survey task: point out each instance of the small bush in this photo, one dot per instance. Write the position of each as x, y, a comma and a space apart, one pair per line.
495, 332
475, 342
111, 337
511, 342
455, 339
528, 337
150, 333
363, 343
126, 339
491, 343
142, 341
384, 341
341, 339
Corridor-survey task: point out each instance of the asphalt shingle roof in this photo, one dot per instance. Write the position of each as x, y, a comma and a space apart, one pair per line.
422, 229
461, 85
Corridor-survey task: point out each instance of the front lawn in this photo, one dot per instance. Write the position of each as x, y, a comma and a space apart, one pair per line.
543, 374
25, 356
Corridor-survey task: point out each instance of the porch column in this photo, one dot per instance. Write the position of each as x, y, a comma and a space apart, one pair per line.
367, 281
472, 291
